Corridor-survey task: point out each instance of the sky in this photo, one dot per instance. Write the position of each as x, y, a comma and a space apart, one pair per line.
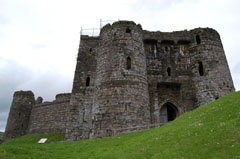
39, 39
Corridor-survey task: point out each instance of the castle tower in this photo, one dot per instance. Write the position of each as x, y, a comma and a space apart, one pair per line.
211, 74
121, 99
80, 108
18, 117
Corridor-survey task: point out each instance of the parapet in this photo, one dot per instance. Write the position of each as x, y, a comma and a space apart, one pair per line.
120, 24
23, 93
63, 97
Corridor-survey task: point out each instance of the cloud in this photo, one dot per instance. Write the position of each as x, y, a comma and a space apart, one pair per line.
236, 75
11, 75
38, 45
3, 20
15, 77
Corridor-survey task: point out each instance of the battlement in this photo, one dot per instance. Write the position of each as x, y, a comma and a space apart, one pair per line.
23, 93
63, 97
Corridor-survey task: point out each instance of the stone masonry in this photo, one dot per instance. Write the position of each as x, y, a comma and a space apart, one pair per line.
128, 79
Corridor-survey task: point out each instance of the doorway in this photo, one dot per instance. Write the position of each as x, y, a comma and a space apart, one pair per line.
168, 112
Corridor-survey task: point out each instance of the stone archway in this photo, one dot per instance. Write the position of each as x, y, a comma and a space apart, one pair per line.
168, 112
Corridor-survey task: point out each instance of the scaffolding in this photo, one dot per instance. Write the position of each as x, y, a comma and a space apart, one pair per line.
95, 31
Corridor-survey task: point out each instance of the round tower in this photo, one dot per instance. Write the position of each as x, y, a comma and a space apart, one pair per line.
121, 101
18, 117
211, 74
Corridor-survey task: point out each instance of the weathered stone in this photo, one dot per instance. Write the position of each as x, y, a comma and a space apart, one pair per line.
39, 100
128, 79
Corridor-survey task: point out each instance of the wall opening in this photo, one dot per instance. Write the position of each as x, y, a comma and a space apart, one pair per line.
167, 42
128, 31
169, 71
198, 40
183, 42
88, 81
169, 112
128, 63
166, 49
90, 50
200, 68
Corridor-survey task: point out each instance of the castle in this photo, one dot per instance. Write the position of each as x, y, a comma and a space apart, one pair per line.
128, 79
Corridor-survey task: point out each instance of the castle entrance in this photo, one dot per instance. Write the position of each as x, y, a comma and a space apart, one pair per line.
168, 112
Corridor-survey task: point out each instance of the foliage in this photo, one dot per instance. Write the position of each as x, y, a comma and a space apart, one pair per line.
211, 131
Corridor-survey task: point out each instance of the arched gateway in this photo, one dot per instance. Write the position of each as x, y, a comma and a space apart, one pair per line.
168, 112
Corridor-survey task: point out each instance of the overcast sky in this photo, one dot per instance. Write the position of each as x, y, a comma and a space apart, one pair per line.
39, 38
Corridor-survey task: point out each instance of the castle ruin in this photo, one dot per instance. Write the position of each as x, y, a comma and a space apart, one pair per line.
128, 79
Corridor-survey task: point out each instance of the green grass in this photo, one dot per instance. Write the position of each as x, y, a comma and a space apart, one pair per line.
1, 135
211, 131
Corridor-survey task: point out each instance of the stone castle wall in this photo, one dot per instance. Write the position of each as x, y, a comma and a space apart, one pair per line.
50, 117
129, 79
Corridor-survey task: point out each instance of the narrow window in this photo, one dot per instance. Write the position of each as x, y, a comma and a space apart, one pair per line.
169, 71
200, 68
90, 50
166, 49
198, 40
128, 30
87, 81
128, 63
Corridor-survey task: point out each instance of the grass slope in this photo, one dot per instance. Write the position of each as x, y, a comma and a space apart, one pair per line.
211, 131
1, 135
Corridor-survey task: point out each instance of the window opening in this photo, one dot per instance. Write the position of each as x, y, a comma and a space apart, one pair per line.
128, 30
198, 40
166, 49
88, 81
128, 63
169, 71
200, 68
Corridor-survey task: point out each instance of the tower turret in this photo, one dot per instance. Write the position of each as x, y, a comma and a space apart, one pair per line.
121, 101
18, 117
211, 74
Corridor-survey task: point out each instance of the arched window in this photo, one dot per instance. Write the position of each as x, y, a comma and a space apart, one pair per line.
128, 63
169, 71
200, 68
128, 30
198, 40
88, 81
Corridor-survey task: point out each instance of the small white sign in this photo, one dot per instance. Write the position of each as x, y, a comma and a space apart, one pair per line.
42, 140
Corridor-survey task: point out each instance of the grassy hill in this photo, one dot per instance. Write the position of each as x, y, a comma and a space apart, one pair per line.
211, 131
1, 135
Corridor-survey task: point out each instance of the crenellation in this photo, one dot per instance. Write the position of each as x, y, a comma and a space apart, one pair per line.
129, 79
